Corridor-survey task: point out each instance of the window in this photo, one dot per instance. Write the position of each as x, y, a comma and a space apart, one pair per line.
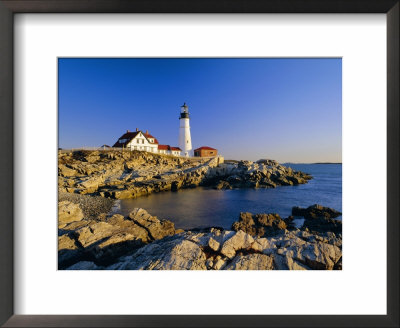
138, 140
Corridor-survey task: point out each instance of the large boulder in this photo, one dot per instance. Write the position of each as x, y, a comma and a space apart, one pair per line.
65, 242
319, 219
89, 235
170, 254
267, 162
105, 239
65, 171
320, 256
240, 240
245, 223
286, 262
259, 224
156, 228
68, 212
116, 229
301, 250
251, 262
263, 245
321, 225
315, 212
129, 227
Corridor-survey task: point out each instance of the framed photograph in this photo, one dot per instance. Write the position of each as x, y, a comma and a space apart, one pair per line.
200, 164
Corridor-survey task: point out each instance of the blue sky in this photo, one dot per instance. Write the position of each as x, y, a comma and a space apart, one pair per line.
284, 109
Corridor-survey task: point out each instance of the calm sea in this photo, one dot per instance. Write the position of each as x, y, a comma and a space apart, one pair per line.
202, 207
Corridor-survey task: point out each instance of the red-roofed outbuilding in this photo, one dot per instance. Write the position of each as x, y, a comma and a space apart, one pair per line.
205, 151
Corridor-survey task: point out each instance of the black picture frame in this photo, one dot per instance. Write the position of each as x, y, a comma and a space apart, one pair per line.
10, 7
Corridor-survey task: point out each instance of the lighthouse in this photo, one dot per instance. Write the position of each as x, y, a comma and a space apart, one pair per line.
185, 141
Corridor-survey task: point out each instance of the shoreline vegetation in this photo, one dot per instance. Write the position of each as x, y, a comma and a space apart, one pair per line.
93, 235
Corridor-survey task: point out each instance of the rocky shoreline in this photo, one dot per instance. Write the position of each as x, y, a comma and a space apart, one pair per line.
140, 241
130, 174
92, 235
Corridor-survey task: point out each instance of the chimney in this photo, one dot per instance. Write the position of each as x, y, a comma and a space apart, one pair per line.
127, 131
147, 131
137, 129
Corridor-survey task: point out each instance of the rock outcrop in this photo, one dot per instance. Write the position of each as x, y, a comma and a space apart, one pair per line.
104, 239
260, 174
260, 224
130, 174
319, 218
170, 254
68, 212
295, 250
315, 212
141, 241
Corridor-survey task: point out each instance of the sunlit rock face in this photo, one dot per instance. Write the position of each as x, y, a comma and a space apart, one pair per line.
130, 174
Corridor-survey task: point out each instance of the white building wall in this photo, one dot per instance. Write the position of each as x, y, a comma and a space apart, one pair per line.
169, 152
141, 143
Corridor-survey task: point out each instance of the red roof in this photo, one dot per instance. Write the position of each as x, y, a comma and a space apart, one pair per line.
148, 135
205, 148
168, 147
164, 147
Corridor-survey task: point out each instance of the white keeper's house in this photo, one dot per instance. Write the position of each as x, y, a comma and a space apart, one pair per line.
144, 141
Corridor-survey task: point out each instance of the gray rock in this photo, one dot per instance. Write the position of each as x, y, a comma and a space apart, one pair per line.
240, 240
173, 253
259, 224
157, 228
84, 265
315, 212
251, 262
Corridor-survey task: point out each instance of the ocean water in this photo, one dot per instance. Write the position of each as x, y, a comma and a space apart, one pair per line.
203, 207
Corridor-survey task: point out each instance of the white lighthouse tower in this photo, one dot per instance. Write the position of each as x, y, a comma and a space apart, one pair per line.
185, 141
